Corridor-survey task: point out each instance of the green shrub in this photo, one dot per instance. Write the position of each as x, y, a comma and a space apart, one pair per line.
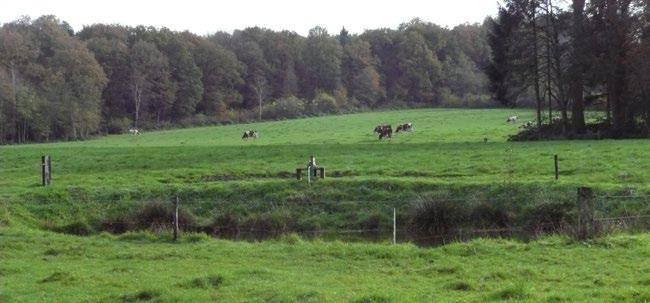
437, 216
491, 214
548, 217
290, 107
325, 104
277, 221
150, 215
118, 125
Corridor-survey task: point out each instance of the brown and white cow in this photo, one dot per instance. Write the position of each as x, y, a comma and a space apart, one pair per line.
384, 131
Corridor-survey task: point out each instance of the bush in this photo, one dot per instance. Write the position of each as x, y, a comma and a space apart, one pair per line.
325, 104
290, 107
118, 126
154, 215
487, 214
548, 217
276, 221
437, 216
223, 224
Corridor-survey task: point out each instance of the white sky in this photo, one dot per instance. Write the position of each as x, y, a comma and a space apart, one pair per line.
205, 16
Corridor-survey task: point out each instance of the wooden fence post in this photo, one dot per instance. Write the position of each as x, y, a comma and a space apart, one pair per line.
394, 226
585, 213
176, 219
557, 168
46, 170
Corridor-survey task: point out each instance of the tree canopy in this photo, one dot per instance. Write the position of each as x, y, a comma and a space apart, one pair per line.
56, 83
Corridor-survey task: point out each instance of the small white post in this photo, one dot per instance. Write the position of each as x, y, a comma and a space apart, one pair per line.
311, 165
309, 174
394, 226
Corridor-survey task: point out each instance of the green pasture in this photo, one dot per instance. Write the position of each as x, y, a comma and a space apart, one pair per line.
446, 146
140, 267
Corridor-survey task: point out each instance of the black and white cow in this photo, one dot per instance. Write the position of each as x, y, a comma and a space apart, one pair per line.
250, 134
404, 127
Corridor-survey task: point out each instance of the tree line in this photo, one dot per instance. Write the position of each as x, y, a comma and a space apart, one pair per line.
591, 54
56, 83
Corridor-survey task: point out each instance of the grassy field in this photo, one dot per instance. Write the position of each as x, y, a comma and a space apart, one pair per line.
445, 147
45, 267
211, 167
221, 178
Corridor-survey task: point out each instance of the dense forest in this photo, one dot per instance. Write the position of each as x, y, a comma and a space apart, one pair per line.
564, 60
592, 53
56, 83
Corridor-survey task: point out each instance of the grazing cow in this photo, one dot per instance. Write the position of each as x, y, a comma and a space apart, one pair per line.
404, 127
250, 134
384, 131
134, 131
512, 119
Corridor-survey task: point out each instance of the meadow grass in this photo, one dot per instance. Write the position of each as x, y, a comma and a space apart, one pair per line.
446, 146
141, 267
215, 172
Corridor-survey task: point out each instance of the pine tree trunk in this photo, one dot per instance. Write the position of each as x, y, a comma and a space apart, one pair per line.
536, 72
577, 68
14, 118
548, 64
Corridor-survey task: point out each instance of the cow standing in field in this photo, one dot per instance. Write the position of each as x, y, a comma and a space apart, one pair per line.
512, 119
250, 134
134, 131
384, 131
404, 127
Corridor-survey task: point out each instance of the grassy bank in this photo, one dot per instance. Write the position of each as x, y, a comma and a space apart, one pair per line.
46, 267
280, 207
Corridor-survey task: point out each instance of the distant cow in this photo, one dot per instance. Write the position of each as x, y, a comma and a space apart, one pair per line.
404, 127
384, 131
512, 119
250, 134
134, 131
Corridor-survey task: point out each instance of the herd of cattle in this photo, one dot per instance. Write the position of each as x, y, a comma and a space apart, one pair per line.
386, 130
382, 130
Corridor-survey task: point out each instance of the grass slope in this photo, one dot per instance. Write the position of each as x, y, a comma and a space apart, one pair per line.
45, 267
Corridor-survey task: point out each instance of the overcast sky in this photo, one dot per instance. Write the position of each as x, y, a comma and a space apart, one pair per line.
206, 16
